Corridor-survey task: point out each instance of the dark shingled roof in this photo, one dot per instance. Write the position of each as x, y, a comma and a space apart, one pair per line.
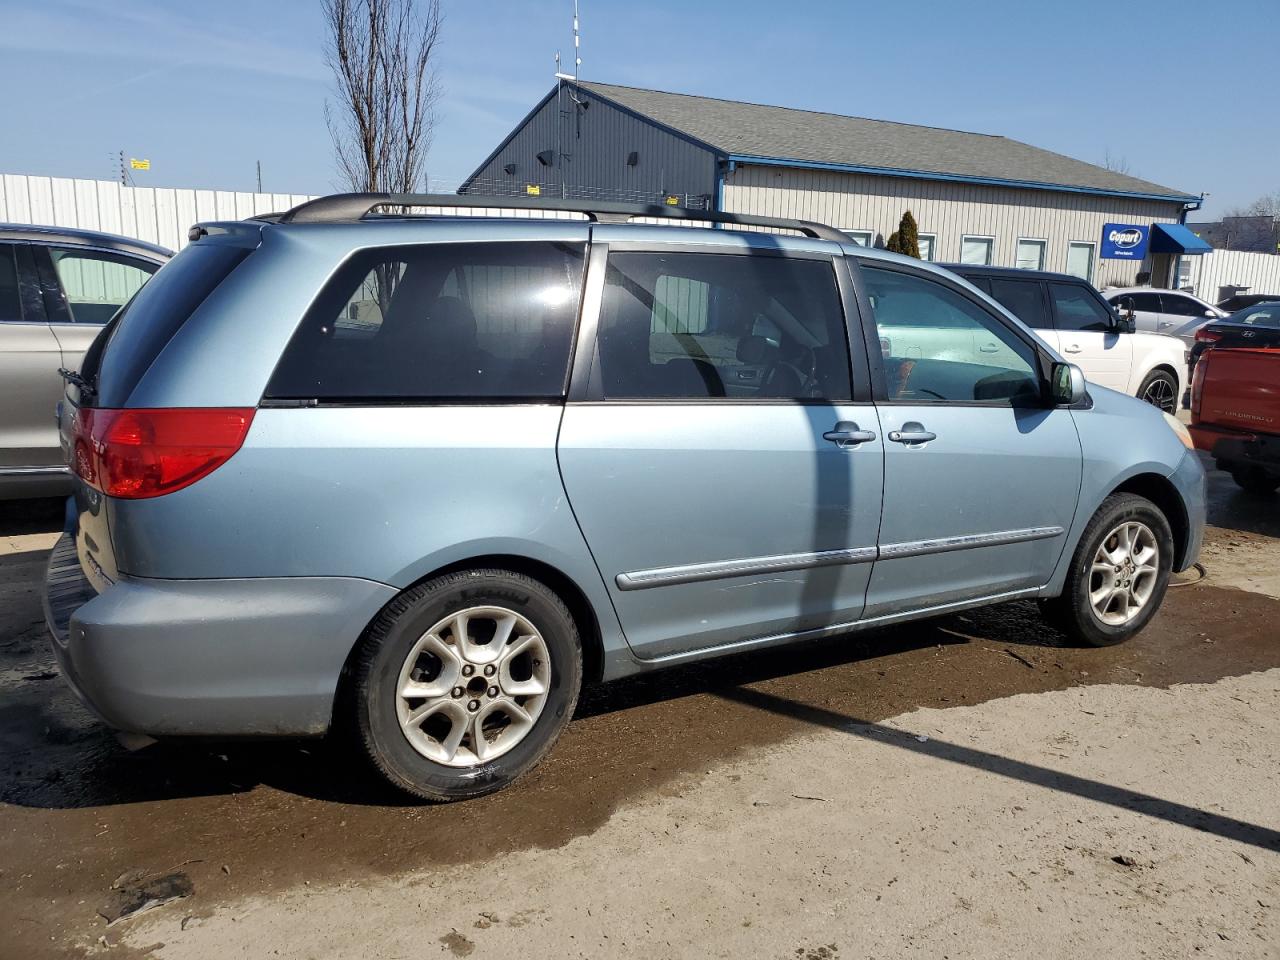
783, 133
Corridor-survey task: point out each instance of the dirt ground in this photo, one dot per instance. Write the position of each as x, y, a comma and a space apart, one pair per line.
963, 787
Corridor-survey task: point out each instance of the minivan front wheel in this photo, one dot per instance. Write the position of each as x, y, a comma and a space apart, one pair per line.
1119, 573
465, 682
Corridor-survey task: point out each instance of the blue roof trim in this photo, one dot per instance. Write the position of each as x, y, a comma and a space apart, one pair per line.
961, 178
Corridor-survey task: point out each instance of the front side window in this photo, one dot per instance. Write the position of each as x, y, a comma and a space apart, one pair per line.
96, 283
1024, 300
1080, 260
439, 321
976, 250
1030, 254
1181, 306
938, 346
1147, 302
1075, 308
699, 325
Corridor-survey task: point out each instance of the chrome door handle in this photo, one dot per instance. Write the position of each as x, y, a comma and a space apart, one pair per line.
1073, 348
848, 434
912, 433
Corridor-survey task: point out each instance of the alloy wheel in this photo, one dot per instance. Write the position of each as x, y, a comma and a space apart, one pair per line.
1124, 573
473, 686
1160, 393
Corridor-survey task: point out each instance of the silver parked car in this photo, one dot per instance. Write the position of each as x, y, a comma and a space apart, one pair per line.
428, 475
57, 288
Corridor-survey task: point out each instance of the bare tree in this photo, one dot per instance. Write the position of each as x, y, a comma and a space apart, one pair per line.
1115, 164
383, 56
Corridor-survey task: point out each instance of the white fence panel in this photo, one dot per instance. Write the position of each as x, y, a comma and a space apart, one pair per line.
1260, 272
156, 214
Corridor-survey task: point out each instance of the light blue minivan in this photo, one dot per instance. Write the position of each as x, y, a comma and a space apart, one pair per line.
426, 475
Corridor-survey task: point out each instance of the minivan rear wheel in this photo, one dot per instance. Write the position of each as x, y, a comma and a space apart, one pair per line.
1118, 575
464, 683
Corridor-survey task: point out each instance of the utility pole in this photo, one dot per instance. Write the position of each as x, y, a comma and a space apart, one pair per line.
123, 181
259, 162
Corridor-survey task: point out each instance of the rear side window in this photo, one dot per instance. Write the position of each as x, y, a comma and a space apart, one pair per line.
10, 297
96, 283
136, 335
1024, 299
1076, 309
701, 325
439, 321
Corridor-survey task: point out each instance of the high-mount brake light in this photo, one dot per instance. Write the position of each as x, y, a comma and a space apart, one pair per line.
136, 454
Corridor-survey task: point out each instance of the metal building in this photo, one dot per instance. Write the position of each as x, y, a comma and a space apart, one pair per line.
976, 198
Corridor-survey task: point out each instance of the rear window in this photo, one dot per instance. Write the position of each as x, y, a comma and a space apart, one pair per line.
444, 321
130, 343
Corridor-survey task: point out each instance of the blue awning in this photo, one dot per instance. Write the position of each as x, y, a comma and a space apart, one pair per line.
1175, 238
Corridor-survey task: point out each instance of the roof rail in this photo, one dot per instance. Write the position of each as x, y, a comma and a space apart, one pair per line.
354, 206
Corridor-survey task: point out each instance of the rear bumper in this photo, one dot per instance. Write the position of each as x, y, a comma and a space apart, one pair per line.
1229, 446
207, 657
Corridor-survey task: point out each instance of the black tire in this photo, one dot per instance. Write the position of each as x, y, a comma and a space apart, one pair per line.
1163, 385
393, 635
1254, 479
1073, 612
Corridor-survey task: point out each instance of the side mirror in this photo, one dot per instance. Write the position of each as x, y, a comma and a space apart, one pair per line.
1211, 314
1066, 387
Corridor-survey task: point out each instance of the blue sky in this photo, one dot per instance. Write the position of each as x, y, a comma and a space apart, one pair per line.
1186, 92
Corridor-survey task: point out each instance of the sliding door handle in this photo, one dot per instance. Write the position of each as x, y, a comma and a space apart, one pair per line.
847, 434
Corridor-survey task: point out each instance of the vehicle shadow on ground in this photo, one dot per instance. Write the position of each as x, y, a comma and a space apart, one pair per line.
19, 517
1105, 793
1231, 508
56, 756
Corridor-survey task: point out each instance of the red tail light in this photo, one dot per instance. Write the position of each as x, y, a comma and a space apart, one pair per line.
1205, 335
135, 454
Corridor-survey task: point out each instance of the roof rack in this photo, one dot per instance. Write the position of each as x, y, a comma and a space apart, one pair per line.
342, 207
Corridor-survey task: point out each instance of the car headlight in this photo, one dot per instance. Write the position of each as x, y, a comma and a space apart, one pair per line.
1180, 430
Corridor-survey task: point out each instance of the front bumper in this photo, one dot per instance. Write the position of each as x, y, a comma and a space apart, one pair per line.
1192, 485
255, 656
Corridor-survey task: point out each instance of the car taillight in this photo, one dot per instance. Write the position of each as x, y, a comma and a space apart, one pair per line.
135, 454
1205, 335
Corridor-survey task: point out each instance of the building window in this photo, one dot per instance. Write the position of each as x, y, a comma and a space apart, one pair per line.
976, 250
1030, 254
861, 237
927, 241
1080, 260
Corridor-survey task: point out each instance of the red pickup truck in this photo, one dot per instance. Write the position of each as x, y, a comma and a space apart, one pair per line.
1235, 414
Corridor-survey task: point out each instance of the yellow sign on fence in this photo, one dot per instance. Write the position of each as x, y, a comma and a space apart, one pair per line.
139, 164
533, 189
672, 201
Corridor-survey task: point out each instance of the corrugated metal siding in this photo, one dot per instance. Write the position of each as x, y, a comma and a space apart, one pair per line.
1208, 274
590, 148
155, 214
949, 210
